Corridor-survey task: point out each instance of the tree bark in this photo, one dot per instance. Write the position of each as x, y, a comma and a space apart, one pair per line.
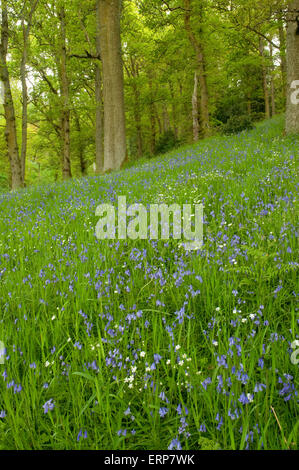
273, 105
282, 52
195, 110
64, 89
133, 73
166, 120
24, 101
9, 111
264, 78
174, 110
138, 120
23, 73
152, 115
99, 99
200, 56
249, 104
158, 120
292, 113
80, 147
113, 85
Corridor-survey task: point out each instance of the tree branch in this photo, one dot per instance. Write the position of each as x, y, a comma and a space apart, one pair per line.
86, 56
169, 8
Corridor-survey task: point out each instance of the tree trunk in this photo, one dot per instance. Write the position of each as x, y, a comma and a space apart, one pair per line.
99, 100
186, 127
152, 116
249, 104
134, 73
174, 110
9, 111
273, 106
99, 120
80, 147
283, 61
264, 79
166, 120
292, 113
158, 120
64, 88
200, 56
204, 97
138, 120
25, 101
113, 85
195, 109
23, 72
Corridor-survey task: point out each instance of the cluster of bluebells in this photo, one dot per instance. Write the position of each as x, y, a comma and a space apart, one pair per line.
81, 435
233, 381
49, 406
107, 300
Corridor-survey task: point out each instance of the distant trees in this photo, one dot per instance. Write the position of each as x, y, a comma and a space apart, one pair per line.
89, 84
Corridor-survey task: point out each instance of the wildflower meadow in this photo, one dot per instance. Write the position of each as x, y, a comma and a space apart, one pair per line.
141, 344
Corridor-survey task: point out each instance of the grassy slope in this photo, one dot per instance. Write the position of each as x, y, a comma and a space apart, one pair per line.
76, 313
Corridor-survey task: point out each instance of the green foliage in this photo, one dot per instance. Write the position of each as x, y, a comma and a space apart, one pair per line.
4, 183
236, 124
159, 67
166, 142
208, 444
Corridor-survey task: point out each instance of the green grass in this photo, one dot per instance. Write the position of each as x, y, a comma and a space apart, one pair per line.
102, 326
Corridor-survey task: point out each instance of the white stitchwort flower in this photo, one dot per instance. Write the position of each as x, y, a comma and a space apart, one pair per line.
250, 397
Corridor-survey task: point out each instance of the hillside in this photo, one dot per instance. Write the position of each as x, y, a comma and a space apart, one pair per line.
123, 344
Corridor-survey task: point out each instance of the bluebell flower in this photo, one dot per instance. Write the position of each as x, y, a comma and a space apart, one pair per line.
222, 361
261, 363
244, 399
17, 388
49, 406
163, 397
219, 420
175, 444
259, 387
81, 434
206, 382
157, 358
163, 411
